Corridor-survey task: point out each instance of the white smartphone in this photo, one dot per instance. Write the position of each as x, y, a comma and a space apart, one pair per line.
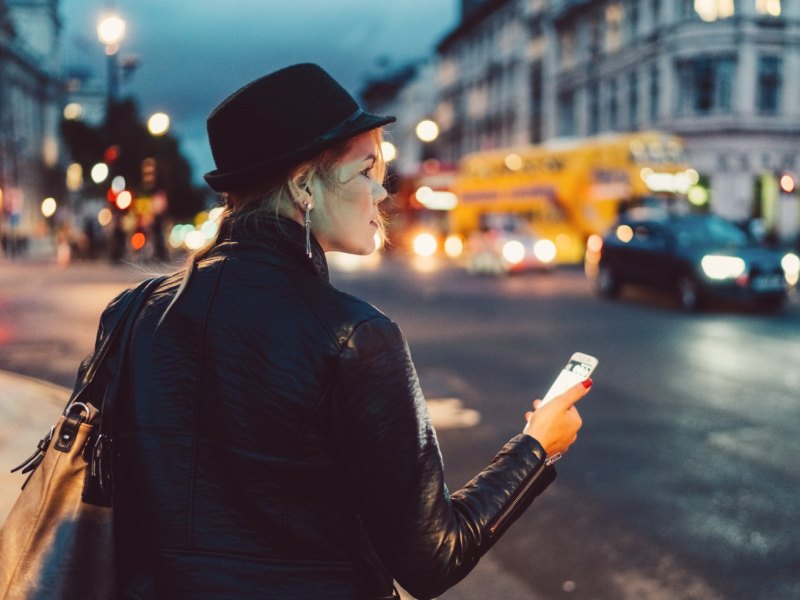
579, 367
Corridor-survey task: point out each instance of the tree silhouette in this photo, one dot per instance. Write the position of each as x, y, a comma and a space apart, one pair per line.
123, 142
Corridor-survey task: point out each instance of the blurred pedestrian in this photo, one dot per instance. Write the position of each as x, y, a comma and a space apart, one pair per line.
64, 244
275, 442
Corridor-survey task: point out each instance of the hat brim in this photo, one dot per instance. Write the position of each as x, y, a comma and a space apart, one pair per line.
223, 181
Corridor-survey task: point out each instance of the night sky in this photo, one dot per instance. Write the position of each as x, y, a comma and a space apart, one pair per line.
193, 54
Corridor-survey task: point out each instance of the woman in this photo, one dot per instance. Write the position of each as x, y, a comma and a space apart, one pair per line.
276, 443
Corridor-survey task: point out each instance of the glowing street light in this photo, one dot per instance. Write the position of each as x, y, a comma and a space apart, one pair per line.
73, 111
427, 130
99, 172
389, 151
48, 207
110, 32
158, 124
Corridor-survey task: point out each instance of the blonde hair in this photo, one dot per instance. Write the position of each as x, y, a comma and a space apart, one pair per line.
274, 197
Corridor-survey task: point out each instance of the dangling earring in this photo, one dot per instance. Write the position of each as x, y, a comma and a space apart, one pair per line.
307, 227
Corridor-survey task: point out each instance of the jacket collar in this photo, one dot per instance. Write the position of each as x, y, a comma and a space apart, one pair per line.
273, 234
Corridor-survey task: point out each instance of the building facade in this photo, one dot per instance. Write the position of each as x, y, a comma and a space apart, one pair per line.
719, 73
30, 112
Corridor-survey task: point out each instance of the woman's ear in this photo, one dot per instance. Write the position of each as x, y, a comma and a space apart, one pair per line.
301, 192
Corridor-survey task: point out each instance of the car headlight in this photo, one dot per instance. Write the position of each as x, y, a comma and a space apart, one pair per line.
453, 246
791, 267
514, 252
722, 267
545, 251
425, 244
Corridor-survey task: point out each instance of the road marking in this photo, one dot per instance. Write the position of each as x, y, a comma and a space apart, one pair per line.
450, 413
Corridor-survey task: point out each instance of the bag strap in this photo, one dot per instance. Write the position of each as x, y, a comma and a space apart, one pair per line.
128, 304
121, 325
98, 481
141, 294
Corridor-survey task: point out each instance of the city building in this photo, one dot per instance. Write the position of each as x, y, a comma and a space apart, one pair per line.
718, 73
409, 93
715, 72
30, 112
487, 95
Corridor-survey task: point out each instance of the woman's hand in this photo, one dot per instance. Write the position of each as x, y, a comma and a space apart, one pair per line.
555, 425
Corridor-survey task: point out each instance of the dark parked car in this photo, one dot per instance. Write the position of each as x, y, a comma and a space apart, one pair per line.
698, 256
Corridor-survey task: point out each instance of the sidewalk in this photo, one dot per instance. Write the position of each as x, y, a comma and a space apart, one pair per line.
28, 407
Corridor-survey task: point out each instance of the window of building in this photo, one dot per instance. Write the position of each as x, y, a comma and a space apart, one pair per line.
566, 113
445, 114
633, 101
702, 84
537, 87
593, 101
594, 34
725, 73
769, 84
769, 7
567, 47
633, 19
655, 93
477, 102
711, 10
706, 85
613, 105
655, 9
686, 8
614, 14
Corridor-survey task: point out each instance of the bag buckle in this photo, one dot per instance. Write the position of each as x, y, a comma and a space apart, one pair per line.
72, 422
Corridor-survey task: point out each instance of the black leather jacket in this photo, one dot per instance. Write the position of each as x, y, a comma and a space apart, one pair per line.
275, 443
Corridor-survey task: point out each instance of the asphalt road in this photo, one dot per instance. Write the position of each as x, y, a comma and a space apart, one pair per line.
683, 483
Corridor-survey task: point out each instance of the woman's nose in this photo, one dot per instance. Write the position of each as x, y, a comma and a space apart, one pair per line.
379, 193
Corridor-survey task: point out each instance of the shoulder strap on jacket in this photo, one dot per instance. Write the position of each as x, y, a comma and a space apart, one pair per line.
98, 484
129, 303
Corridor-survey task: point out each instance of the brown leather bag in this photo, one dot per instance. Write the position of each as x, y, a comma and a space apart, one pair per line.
54, 545
57, 542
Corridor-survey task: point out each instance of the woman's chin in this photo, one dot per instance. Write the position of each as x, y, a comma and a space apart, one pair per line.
358, 251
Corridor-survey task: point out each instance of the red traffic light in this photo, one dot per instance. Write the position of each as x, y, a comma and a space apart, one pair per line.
111, 154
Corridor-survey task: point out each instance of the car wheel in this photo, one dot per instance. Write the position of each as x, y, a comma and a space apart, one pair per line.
606, 283
689, 294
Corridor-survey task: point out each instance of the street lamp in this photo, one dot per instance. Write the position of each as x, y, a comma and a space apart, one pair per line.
110, 32
427, 130
158, 124
388, 151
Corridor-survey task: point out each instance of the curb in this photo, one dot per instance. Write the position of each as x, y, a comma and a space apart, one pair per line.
28, 408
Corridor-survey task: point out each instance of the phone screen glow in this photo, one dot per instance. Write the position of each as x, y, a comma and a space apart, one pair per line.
574, 372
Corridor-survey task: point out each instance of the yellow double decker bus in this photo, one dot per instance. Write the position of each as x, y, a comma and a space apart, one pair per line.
565, 190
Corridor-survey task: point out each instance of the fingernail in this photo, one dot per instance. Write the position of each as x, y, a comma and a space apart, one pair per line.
587, 383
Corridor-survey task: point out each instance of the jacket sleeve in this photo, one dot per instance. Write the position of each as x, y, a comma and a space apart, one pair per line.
428, 538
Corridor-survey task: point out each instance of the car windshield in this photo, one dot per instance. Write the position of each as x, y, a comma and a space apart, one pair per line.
709, 231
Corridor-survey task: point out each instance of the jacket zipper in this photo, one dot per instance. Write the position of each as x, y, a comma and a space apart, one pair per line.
501, 518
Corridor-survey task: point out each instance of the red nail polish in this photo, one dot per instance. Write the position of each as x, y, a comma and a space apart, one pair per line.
587, 383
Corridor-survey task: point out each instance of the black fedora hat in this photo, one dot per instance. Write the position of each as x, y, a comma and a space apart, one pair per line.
278, 121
